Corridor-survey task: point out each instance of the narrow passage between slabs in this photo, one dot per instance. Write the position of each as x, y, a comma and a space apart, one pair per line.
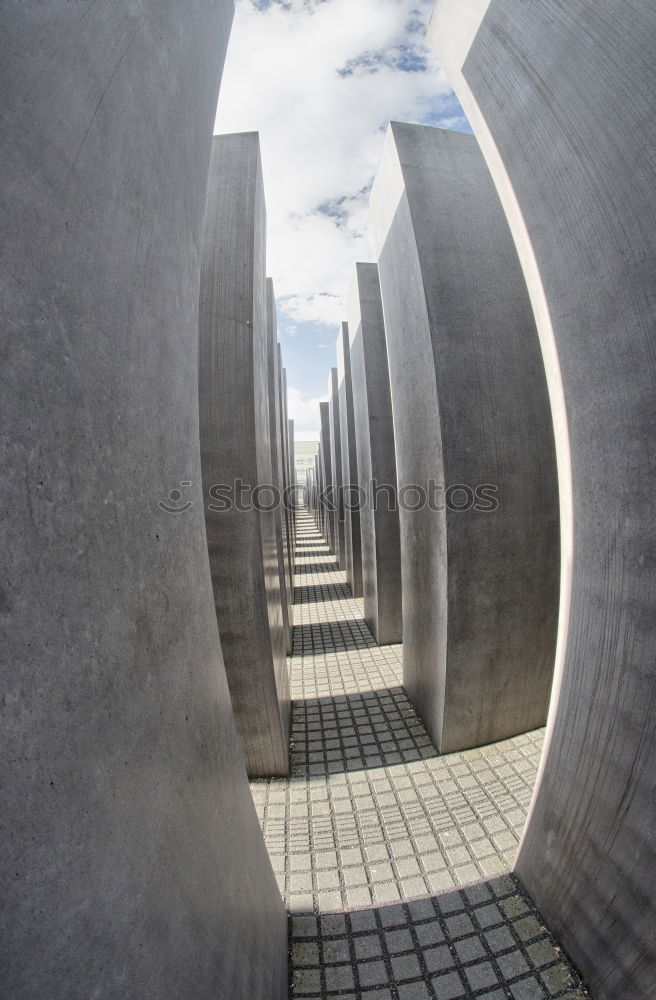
395, 862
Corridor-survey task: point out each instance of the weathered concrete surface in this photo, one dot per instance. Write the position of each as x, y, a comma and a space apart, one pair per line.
376, 459
277, 460
480, 586
336, 463
352, 541
235, 443
287, 534
326, 500
289, 520
291, 482
309, 493
318, 514
317, 487
132, 864
561, 97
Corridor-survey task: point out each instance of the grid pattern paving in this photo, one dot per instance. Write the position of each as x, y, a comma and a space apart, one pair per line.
395, 862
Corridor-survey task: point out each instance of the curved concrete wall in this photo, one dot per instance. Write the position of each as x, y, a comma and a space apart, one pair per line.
352, 540
278, 478
561, 97
336, 463
374, 438
235, 442
480, 585
132, 861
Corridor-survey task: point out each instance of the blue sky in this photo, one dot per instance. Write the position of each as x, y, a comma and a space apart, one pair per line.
320, 80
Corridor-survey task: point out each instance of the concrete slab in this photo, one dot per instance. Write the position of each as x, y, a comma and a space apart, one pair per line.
561, 99
317, 481
326, 499
132, 862
289, 515
352, 542
291, 481
336, 462
278, 478
376, 459
288, 539
474, 444
235, 437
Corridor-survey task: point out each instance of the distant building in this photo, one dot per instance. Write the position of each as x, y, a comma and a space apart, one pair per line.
304, 452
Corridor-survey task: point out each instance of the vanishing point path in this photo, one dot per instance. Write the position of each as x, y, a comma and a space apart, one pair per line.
395, 862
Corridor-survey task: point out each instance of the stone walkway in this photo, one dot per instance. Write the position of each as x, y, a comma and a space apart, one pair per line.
395, 862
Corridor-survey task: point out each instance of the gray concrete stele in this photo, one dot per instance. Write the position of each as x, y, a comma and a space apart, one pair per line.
132, 862
376, 459
352, 541
327, 505
473, 431
336, 463
561, 98
278, 477
235, 440
288, 442
290, 494
281, 389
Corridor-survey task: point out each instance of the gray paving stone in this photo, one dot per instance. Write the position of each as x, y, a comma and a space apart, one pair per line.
369, 807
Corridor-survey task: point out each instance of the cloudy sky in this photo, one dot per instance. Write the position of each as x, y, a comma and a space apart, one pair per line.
320, 80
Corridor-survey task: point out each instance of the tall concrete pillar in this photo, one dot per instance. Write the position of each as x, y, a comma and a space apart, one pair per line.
352, 543
561, 97
474, 445
327, 479
291, 489
235, 441
336, 462
282, 438
308, 496
376, 459
278, 478
132, 862
317, 486
289, 518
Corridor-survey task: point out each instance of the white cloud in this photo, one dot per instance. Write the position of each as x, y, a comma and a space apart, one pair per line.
303, 409
322, 308
319, 80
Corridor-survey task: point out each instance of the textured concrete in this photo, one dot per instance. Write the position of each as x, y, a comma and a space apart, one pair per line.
289, 519
291, 484
287, 534
235, 442
395, 861
561, 97
320, 508
480, 587
374, 439
329, 518
132, 863
336, 462
278, 479
352, 541
317, 487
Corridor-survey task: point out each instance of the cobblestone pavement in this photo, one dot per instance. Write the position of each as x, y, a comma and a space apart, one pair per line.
395, 862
